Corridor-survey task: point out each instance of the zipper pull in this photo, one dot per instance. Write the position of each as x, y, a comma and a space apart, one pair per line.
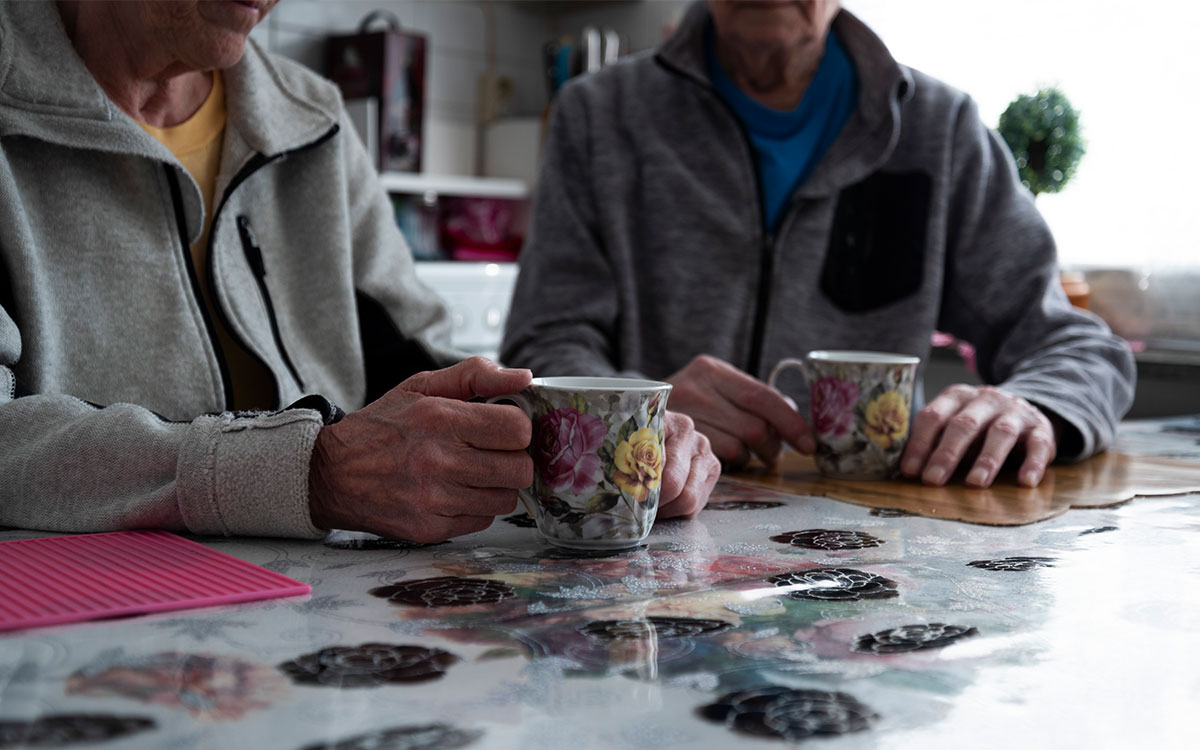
250, 246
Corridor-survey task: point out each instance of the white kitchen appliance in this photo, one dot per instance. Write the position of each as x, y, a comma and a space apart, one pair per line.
478, 295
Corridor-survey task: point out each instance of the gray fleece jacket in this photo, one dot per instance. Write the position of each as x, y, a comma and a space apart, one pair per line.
647, 244
114, 395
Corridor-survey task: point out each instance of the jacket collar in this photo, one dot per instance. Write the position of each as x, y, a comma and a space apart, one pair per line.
46, 92
872, 131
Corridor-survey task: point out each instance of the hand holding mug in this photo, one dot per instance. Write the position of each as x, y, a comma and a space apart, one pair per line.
421, 462
740, 414
599, 449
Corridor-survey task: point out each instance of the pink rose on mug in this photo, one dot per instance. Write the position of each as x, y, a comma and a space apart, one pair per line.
833, 401
566, 442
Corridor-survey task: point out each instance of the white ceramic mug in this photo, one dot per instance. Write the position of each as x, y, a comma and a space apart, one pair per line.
861, 406
599, 450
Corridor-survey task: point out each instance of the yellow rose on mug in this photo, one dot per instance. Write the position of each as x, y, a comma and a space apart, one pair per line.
887, 419
639, 462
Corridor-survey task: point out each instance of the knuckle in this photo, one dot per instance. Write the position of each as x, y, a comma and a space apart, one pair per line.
961, 390
929, 416
991, 463
943, 458
964, 422
1006, 428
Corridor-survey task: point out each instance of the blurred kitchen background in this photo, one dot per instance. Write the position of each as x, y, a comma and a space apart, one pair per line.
451, 97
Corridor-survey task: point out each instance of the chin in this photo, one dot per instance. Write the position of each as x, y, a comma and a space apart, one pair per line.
222, 52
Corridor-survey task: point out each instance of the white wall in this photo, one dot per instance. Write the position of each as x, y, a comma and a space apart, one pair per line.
1133, 73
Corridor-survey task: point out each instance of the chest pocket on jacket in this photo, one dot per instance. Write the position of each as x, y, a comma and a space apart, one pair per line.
876, 252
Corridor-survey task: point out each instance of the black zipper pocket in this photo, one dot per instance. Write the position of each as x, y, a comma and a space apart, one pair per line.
254, 258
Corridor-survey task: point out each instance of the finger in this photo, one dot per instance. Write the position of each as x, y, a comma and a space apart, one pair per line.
751, 434
437, 420
505, 470
501, 427
961, 431
441, 528
1002, 435
681, 440
460, 501
1040, 450
754, 397
927, 428
731, 451
471, 378
702, 477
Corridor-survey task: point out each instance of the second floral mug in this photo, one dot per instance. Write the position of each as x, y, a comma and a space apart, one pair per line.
861, 404
598, 450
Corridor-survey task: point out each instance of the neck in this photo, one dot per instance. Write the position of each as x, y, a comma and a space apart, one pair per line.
772, 76
131, 65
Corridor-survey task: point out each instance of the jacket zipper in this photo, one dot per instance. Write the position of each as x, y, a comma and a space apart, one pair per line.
256, 162
185, 246
766, 240
255, 259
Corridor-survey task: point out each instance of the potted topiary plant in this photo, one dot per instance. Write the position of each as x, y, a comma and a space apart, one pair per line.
1043, 132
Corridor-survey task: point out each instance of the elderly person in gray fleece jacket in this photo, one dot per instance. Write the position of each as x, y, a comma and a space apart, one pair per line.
771, 181
145, 297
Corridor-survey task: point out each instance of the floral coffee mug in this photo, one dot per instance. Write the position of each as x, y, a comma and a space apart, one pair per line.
861, 406
598, 452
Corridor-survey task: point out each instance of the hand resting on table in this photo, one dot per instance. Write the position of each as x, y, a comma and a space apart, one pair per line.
964, 417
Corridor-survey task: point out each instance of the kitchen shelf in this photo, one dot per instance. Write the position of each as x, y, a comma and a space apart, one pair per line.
455, 185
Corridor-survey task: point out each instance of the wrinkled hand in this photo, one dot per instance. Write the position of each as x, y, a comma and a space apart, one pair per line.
964, 416
421, 463
690, 471
738, 413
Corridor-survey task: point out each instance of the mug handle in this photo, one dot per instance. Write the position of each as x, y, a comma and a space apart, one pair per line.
788, 363
523, 404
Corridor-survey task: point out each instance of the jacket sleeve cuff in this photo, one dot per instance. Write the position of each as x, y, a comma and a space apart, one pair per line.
248, 475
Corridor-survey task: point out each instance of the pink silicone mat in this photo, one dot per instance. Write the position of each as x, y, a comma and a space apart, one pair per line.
53, 580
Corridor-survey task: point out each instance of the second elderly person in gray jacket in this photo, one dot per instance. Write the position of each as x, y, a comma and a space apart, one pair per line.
771, 181
197, 263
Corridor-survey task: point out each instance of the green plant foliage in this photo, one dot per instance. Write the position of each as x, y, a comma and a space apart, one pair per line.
1043, 132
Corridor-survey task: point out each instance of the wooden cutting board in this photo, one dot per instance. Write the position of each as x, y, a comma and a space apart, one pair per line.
1105, 480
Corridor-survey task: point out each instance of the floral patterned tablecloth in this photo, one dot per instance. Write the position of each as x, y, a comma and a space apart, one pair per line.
769, 620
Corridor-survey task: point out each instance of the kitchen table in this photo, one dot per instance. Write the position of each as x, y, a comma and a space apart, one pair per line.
771, 619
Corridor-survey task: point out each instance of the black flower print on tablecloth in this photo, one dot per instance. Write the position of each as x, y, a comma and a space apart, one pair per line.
890, 512
1019, 564
1097, 530
524, 520
743, 505
664, 628
377, 543
445, 591
912, 638
828, 539
789, 713
60, 730
413, 737
836, 584
368, 665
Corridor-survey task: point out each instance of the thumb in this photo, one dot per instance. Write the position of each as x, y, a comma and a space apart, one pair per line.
474, 377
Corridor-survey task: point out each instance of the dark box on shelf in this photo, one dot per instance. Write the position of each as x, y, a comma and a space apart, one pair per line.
388, 66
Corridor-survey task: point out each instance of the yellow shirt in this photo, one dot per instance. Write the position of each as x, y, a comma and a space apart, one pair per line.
196, 142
